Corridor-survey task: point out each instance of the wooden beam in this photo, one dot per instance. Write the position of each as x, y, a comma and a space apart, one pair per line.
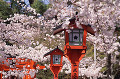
89, 29
58, 31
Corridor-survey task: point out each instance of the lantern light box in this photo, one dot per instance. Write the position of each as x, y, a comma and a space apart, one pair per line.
56, 59
56, 56
76, 37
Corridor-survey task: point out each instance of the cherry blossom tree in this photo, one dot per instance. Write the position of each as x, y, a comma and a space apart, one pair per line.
31, 37
103, 16
25, 36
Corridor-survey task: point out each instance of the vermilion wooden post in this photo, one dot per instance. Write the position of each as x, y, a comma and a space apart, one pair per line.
74, 56
55, 70
0, 75
1, 70
75, 53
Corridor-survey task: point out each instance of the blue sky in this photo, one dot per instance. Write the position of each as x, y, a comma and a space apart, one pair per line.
27, 2
46, 1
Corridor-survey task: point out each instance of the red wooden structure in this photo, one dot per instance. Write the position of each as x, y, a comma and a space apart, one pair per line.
75, 44
56, 57
19, 64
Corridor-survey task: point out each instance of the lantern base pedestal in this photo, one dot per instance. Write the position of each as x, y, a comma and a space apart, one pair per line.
74, 56
55, 70
74, 70
0, 75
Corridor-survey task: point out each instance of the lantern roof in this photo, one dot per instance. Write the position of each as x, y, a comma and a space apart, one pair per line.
88, 27
52, 51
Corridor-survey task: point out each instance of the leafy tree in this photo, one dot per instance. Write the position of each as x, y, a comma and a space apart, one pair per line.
18, 6
15, 6
5, 10
39, 6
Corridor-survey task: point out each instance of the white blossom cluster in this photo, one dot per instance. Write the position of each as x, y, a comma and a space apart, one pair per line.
86, 66
102, 15
20, 32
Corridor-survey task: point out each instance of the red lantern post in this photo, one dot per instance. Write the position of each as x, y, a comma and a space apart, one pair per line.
75, 44
56, 57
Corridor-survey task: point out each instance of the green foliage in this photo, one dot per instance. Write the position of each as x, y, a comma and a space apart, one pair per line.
16, 7
5, 10
116, 67
101, 55
39, 6
44, 74
103, 69
47, 74
63, 75
116, 70
19, 8
90, 50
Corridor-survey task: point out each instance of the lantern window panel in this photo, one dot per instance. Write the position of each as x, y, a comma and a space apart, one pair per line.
70, 37
56, 59
76, 37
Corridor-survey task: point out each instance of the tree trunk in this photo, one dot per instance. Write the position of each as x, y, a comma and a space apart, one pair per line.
108, 66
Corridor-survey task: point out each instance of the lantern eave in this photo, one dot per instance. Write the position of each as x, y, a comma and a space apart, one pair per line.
75, 47
72, 23
56, 65
52, 52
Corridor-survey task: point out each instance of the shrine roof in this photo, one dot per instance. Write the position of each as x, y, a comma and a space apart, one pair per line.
52, 51
59, 28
